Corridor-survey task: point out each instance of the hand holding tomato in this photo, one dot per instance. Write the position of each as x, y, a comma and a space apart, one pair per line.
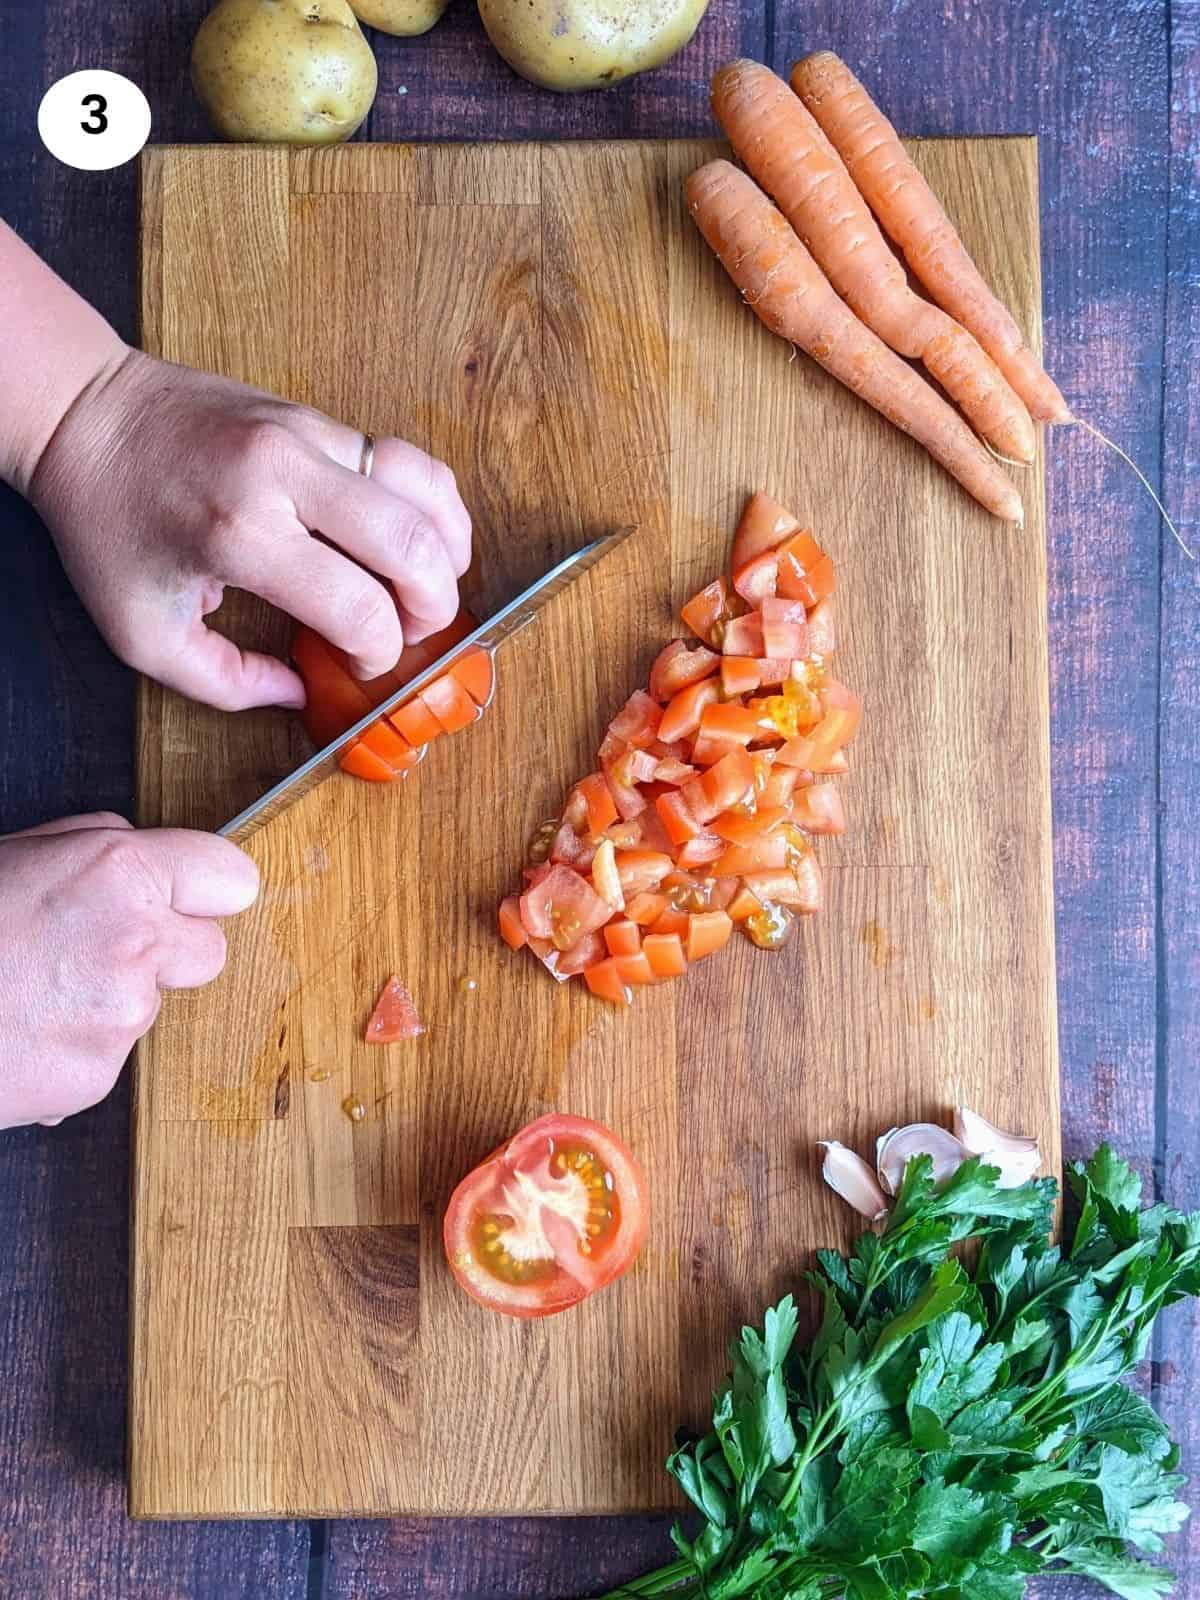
162, 484
95, 921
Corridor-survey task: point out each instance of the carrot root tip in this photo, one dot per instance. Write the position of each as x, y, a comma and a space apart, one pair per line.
1111, 444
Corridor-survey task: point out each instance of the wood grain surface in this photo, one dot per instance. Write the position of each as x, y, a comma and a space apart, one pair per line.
1112, 89
546, 319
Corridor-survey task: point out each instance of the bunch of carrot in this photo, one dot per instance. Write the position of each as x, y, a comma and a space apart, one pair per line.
817, 270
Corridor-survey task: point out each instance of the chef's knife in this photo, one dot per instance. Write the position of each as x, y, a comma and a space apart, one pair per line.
508, 620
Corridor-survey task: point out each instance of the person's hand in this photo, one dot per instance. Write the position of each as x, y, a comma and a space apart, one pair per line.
96, 919
162, 484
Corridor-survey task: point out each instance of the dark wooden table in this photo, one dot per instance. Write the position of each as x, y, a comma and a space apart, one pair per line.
1113, 88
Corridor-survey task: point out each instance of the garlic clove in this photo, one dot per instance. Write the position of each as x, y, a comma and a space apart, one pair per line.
895, 1148
981, 1136
848, 1175
1017, 1156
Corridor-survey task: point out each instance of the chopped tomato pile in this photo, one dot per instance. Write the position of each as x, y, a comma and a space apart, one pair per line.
552, 1216
711, 787
395, 744
394, 1017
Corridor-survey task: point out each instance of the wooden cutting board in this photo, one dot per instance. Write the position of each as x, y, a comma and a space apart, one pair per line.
547, 320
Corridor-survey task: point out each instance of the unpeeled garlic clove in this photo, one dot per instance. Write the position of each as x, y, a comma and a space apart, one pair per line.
848, 1175
1017, 1156
895, 1148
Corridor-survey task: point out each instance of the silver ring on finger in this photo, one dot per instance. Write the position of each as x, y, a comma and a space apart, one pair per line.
367, 459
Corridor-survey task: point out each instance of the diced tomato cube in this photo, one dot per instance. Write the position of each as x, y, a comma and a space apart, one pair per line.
729, 782
623, 937
805, 571
766, 853
597, 797
763, 525
819, 809
646, 907
757, 580
785, 629
679, 665
739, 675
739, 827
571, 849
627, 834
682, 717
382, 740
362, 762
707, 932
512, 929
476, 674
698, 802
707, 612
604, 980
587, 953
708, 749
701, 851
743, 636
799, 888
676, 818
664, 952
562, 907
638, 720
450, 703
732, 722
634, 767
642, 869
634, 968
676, 773
544, 950
605, 878
417, 723
778, 788
629, 801
672, 920
771, 672
744, 904
842, 712
822, 632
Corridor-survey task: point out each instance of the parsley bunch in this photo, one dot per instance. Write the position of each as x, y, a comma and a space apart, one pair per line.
949, 1430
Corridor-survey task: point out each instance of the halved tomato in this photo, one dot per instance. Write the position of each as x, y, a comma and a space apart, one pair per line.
336, 699
552, 1216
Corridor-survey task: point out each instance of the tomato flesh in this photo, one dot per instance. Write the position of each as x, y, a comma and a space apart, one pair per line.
562, 907
394, 1017
555, 1215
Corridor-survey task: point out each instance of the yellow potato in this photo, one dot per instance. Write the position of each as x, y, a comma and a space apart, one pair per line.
588, 44
284, 71
405, 17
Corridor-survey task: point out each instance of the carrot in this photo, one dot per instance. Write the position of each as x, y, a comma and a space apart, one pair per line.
789, 293
910, 214
777, 138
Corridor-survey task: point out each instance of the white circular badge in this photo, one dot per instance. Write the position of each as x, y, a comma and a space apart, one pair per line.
94, 120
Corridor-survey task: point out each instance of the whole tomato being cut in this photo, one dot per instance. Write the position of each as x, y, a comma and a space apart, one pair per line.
546, 1220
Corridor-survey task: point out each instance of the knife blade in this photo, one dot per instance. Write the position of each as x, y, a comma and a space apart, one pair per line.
509, 620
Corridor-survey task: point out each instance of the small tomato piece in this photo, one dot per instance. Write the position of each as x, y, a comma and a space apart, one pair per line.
743, 636
605, 981
805, 571
512, 929
681, 719
729, 782
740, 827
623, 937
362, 762
785, 629
597, 797
417, 723
587, 953
646, 907
642, 869
819, 809
822, 633
739, 675
677, 666
707, 612
707, 932
677, 818
634, 969
638, 720
450, 703
763, 525
394, 1017
562, 907
605, 878
664, 952
701, 851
